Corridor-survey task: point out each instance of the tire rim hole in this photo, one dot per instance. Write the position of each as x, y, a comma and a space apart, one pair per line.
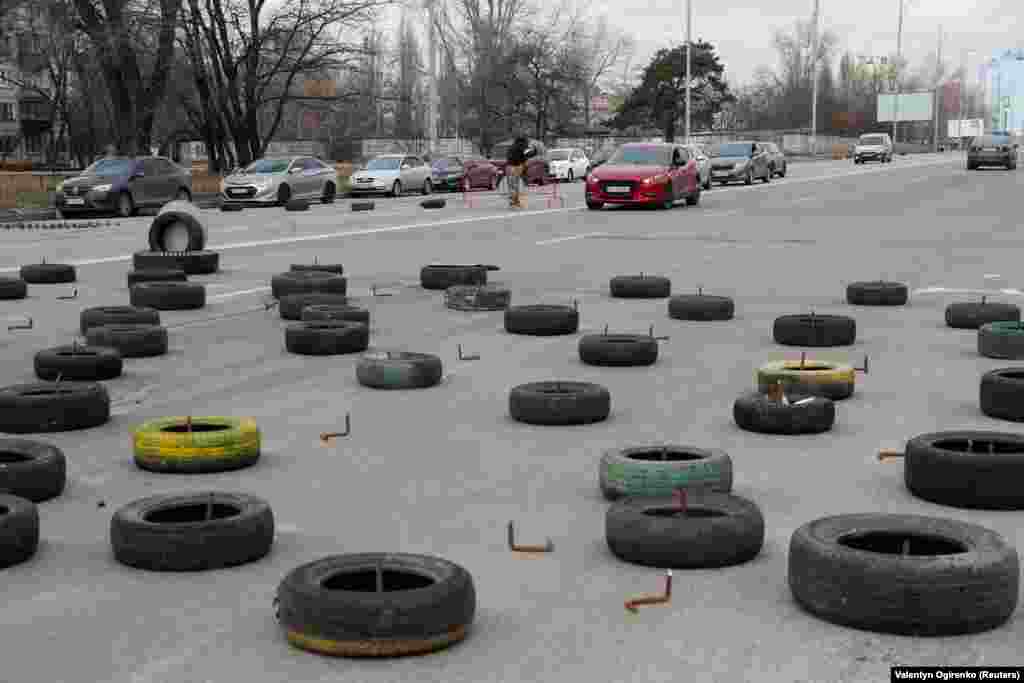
9, 457
668, 455
1013, 374
176, 237
979, 446
696, 512
809, 367
898, 543
366, 581
76, 353
193, 512
4, 510
195, 427
45, 392
618, 340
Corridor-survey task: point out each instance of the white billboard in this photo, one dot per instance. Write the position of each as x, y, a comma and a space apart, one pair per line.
915, 106
965, 128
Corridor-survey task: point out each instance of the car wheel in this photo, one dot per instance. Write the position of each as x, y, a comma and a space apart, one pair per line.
707, 183
570, 177
749, 179
783, 174
183, 195
125, 205
428, 187
284, 195
693, 199
494, 183
767, 177
330, 192
667, 204
594, 206
396, 189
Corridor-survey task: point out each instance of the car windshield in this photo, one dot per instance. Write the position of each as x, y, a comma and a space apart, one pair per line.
559, 155
640, 156
732, 149
268, 166
110, 167
872, 140
442, 164
386, 164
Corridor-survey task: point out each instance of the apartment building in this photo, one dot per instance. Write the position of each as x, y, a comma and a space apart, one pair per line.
25, 117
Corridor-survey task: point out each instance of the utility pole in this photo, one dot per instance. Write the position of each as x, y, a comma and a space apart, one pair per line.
814, 81
432, 97
938, 99
899, 80
689, 49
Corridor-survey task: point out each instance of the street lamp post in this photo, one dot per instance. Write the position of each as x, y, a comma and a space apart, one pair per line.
689, 48
814, 82
899, 83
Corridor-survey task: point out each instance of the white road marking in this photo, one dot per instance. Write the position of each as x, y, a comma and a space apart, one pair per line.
234, 228
242, 292
569, 238
965, 290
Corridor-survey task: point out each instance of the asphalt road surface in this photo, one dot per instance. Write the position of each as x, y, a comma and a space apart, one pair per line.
442, 471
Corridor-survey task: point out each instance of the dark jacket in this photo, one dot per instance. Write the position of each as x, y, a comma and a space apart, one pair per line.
518, 154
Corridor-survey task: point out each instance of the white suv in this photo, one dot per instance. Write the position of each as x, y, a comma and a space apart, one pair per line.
873, 147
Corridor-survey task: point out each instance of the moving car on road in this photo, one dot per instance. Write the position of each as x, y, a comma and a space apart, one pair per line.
645, 174
393, 174
538, 168
277, 180
449, 173
740, 161
992, 150
123, 185
703, 164
873, 147
568, 163
776, 159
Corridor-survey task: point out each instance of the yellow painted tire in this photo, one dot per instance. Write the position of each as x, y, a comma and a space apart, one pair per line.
375, 647
818, 378
215, 444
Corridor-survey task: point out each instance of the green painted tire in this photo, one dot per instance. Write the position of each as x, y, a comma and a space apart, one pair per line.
1003, 339
216, 444
658, 470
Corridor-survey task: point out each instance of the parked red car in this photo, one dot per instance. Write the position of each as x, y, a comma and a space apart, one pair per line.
656, 174
538, 168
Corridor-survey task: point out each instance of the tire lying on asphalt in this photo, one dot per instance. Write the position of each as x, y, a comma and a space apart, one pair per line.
192, 532
1002, 394
878, 293
970, 315
78, 363
966, 469
192, 262
307, 282
179, 226
48, 273
398, 370
362, 206
433, 203
640, 287
445, 276
477, 298
156, 275
559, 403
715, 530
326, 337
328, 312
290, 306
19, 530
660, 469
214, 444
618, 350
47, 407
701, 307
12, 288
1003, 340
814, 330
542, 320
168, 296
756, 412
333, 268
231, 207
34, 470
297, 205
376, 605
131, 341
904, 574
117, 315
811, 378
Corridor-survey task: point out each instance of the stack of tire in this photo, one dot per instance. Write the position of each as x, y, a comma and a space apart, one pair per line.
31, 472
316, 296
177, 243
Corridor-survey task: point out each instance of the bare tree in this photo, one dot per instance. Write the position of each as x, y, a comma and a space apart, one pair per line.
409, 68
601, 49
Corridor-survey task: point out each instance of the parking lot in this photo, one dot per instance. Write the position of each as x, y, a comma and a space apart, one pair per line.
442, 471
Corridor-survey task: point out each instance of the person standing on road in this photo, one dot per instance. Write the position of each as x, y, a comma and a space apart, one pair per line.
516, 157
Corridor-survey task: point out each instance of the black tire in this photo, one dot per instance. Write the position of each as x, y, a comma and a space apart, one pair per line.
192, 531
328, 312
332, 606
445, 276
658, 470
716, 530
78, 363
398, 370
33, 470
12, 288
284, 195
307, 282
117, 315
783, 173
1002, 394
168, 296
815, 330
131, 341
850, 570
428, 187
362, 206
477, 298
160, 224
1004, 340
297, 205
749, 178
877, 294
559, 403
541, 320
618, 350
326, 337
290, 306
192, 262
48, 273
19, 530
595, 206
701, 307
640, 287
156, 275
228, 206
125, 206
333, 268
396, 189
755, 412
693, 199
46, 407
966, 469
330, 193
970, 315
438, 203
767, 177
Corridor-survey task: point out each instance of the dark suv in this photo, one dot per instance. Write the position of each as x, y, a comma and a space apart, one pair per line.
992, 150
123, 185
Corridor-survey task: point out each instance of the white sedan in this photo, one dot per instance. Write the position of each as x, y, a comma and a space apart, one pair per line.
568, 163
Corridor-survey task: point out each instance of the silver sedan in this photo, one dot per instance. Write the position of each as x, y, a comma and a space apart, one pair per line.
277, 180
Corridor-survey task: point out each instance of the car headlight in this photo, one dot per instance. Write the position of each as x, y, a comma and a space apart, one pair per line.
60, 187
591, 179
739, 165
102, 188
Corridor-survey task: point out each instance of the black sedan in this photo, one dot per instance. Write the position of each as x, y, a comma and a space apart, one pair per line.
123, 185
992, 150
